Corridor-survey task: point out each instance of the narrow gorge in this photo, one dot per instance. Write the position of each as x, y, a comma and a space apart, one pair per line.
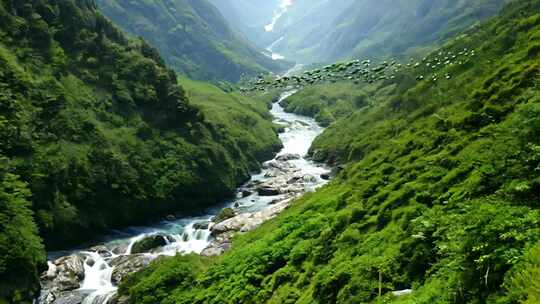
91, 275
269, 151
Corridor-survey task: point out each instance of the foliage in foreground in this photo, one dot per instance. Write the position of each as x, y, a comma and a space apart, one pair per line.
96, 133
22, 251
439, 194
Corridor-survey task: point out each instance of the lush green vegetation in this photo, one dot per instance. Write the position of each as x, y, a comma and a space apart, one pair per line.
22, 251
326, 31
96, 133
400, 28
192, 36
439, 193
327, 102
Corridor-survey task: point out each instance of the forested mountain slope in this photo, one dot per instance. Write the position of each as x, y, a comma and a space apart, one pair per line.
439, 193
192, 36
376, 29
96, 133
318, 31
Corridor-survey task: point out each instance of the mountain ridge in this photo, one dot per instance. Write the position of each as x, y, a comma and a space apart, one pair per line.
193, 37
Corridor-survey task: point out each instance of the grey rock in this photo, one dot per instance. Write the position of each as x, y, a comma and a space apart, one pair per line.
325, 176
268, 191
308, 178
90, 262
127, 264
64, 274
71, 297
248, 221
212, 251
288, 157
120, 249
101, 250
220, 244
201, 225
150, 243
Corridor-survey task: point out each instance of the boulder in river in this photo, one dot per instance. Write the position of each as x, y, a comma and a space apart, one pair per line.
325, 176
150, 243
225, 213
65, 273
128, 264
201, 225
282, 166
221, 243
67, 297
268, 191
288, 157
120, 249
308, 178
248, 221
101, 250
244, 192
90, 262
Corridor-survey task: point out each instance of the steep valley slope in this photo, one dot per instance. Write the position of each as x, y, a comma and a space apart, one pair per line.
193, 38
96, 133
437, 198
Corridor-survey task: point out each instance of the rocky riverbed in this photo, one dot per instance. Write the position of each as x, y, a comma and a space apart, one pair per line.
91, 275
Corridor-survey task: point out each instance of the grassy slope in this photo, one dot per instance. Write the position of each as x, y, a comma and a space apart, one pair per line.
192, 36
440, 194
327, 102
96, 133
246, 120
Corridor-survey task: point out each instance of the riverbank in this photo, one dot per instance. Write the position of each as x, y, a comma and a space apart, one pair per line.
92, 275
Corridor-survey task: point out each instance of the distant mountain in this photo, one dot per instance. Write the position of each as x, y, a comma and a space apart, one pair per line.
379, 28
328, 30
192, 36
250, 17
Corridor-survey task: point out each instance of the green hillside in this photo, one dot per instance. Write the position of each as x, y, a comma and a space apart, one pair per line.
192, 36
439, 193
377, 29
316, 31
96, 133
250, 17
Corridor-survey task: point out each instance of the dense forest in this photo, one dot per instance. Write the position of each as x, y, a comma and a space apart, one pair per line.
439, 191
433, 193
96, 133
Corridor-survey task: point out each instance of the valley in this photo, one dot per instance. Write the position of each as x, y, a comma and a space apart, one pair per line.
124, 252
250, 151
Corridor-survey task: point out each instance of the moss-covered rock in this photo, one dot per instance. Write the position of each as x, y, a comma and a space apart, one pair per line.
224, 214
149, 243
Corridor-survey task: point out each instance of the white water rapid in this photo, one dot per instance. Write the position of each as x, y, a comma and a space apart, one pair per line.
103, 265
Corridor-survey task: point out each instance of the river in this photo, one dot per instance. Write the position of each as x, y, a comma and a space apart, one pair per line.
96, 266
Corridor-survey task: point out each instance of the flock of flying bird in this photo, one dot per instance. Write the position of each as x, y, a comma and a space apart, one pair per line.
364, 71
